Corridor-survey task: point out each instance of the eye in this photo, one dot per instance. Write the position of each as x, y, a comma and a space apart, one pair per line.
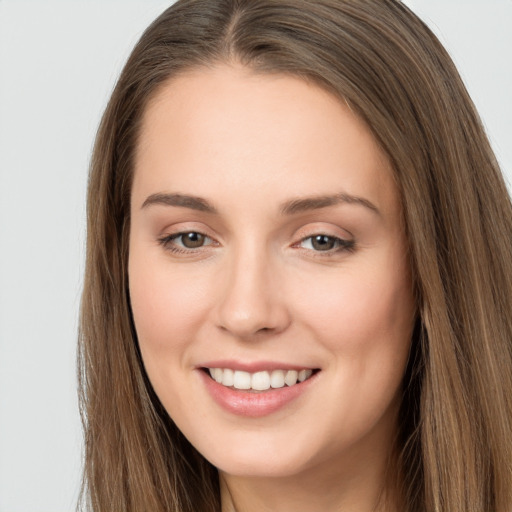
191, 240
325, 243
185, 241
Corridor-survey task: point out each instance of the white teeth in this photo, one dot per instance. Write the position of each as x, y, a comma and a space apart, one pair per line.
216, 374
242, 380
291, 377
228, 377
304, 374
258, 381
277, 379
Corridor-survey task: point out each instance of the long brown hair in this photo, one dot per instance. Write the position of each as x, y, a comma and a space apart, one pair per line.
455, 440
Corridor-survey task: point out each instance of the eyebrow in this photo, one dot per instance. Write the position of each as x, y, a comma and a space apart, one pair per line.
180, 200
300, 205
291, 207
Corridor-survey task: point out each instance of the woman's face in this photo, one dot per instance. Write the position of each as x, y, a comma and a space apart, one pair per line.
266, 247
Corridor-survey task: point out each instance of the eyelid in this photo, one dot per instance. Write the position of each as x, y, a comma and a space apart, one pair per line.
180, 228
323, 228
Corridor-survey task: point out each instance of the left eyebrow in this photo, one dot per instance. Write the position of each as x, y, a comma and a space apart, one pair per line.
303, 204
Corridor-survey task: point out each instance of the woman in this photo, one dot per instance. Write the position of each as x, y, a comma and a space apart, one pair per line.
298, 277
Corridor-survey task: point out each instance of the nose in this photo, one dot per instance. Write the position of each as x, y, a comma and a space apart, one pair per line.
253, 300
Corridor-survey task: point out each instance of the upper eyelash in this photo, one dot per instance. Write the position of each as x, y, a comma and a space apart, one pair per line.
164, 242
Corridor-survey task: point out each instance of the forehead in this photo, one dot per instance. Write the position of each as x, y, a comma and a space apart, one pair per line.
228, 125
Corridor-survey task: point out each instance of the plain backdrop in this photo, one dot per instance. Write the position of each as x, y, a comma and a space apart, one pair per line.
58, 63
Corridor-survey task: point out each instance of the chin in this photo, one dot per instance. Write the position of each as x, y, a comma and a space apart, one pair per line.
260, 460
258, 468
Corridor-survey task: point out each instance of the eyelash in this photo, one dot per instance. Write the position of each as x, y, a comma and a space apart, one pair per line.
168, 242
340, 244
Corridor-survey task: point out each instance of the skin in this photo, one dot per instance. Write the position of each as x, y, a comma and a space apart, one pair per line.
259, 290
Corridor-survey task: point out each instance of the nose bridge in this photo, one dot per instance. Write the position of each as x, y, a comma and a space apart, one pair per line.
251, 301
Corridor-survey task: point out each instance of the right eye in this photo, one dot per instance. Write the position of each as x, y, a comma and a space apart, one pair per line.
185, 241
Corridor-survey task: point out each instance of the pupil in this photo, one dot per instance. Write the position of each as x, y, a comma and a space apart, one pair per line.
193, 240
323, 242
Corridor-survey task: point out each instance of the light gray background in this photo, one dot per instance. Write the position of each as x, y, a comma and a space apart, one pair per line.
58, 64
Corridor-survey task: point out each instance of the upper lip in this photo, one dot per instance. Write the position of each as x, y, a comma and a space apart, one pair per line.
254, 366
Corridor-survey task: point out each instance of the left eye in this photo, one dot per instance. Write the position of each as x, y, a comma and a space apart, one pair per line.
324, 243
190, 240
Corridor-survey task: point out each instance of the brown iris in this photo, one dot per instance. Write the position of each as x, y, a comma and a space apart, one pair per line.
192, 240
323, 242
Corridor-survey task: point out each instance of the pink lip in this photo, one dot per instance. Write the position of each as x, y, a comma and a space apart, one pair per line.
250, 404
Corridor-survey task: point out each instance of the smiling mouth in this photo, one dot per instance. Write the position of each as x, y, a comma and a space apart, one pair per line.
259, 381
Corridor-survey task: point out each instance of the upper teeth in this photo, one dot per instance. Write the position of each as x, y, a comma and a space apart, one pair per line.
259, 381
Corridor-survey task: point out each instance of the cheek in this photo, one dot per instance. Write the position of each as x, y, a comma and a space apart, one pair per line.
167, 307
357, 312
364, 320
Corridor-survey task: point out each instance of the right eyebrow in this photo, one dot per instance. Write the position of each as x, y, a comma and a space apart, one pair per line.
180, 200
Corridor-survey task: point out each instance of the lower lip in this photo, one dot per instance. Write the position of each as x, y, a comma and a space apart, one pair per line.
250, 404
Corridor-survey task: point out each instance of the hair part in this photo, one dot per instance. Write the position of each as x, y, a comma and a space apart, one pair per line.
455, 440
